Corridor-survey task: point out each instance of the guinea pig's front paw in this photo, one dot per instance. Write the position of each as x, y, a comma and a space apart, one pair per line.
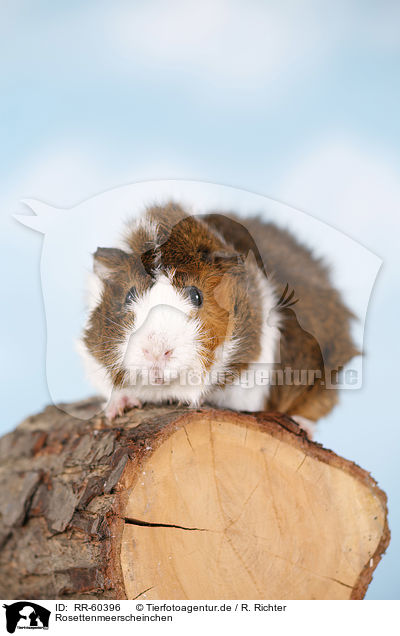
120, 403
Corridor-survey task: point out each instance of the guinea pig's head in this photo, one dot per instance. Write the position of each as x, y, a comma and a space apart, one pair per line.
177, 299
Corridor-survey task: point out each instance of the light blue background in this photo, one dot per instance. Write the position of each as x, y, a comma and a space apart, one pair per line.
298, 101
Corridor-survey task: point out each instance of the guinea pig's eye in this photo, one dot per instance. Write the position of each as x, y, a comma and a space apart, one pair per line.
195, 296
131, 295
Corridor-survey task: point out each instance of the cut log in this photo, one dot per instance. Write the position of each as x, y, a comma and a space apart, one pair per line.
171, 503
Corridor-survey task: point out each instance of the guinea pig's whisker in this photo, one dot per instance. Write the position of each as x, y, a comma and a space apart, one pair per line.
105, 367
106, 342
103, 344
105, 350
113, 322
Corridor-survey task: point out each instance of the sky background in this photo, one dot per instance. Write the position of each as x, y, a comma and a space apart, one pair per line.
297, 101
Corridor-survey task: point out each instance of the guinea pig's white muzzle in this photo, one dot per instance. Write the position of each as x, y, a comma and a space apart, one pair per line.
165, 338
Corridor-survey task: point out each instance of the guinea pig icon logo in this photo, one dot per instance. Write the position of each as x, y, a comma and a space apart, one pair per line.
26, 615
81, 256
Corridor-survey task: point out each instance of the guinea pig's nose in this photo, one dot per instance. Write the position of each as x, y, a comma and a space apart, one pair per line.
155, 355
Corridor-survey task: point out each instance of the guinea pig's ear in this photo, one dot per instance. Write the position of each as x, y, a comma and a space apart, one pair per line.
108, 259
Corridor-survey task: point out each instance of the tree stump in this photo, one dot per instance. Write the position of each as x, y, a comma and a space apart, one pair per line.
172, 503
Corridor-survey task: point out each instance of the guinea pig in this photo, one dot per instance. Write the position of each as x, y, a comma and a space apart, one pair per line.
214, 309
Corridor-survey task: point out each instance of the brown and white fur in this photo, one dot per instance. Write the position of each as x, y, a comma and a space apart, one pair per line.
264, 304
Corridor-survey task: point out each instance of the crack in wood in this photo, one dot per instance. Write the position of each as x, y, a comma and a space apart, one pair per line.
187, 437
152, 524
301, 463
144, 592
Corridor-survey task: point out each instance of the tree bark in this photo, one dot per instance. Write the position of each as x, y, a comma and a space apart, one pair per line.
172, 503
